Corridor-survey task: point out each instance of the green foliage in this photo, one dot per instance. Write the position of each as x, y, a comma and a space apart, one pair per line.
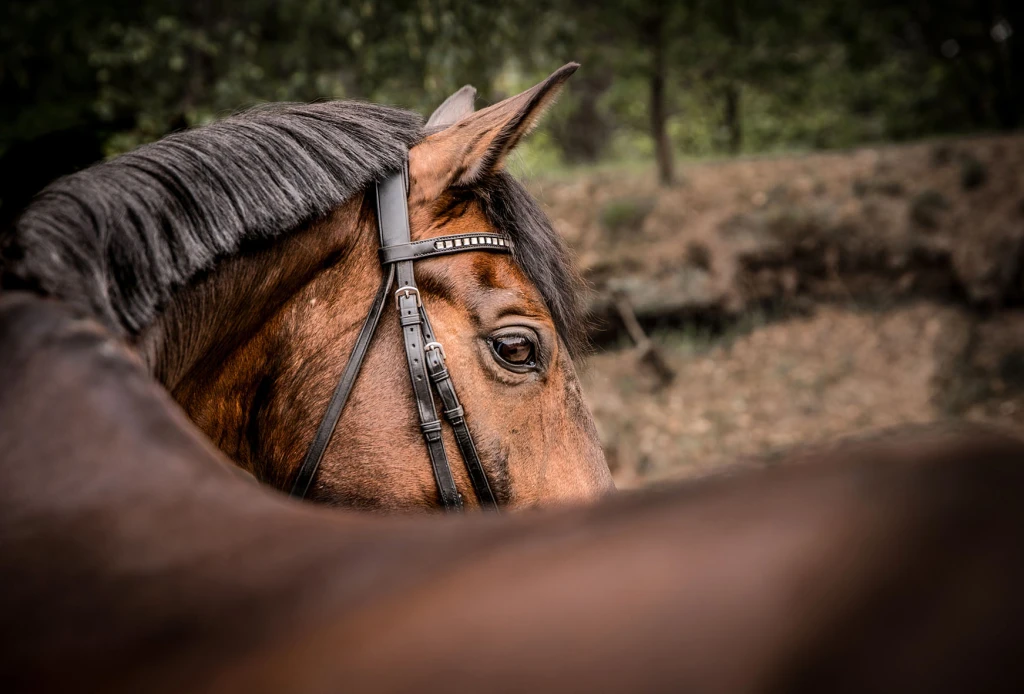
736, 75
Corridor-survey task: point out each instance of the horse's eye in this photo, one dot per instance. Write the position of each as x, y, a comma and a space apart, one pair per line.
514, 350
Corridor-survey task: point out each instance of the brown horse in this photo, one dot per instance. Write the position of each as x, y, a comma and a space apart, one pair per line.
239, 260
133, 558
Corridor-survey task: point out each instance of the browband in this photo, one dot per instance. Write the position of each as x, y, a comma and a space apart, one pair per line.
443, 245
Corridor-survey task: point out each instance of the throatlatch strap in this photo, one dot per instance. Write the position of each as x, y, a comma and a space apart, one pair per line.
393, 221
456, 416
315, 453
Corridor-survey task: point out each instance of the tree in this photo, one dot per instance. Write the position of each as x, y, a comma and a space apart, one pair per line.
633, 40
82, 80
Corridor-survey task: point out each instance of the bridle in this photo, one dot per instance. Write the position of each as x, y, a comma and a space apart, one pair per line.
424, 354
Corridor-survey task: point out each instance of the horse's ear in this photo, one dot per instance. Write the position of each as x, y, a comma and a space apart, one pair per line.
455, 108
478, 143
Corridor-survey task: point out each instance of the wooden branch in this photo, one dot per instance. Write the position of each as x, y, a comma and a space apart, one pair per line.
649, 354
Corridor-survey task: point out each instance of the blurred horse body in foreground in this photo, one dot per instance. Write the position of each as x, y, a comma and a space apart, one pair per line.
235, 264
136, 558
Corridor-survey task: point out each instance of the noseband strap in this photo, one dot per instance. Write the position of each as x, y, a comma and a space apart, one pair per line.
425, 356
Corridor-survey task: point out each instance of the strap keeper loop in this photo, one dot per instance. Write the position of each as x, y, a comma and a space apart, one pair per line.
431, 431
413, 318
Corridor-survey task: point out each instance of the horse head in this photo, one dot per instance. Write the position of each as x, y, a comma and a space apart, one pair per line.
241, 258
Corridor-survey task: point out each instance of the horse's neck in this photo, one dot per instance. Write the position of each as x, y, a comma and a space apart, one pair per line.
211, 318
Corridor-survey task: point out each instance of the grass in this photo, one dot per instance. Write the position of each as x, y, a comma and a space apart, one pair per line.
537, 159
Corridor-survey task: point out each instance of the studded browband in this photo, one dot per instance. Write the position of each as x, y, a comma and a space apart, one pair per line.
444, 245
425, 356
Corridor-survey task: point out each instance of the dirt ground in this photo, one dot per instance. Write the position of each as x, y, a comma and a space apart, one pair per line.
839, 372
898, 275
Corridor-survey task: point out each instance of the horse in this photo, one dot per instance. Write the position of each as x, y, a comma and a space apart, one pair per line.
238, 260
134, 556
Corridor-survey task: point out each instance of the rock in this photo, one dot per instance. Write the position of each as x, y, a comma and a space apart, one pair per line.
664, 295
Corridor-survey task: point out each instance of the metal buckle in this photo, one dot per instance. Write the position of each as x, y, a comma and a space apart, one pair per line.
439, 347
406, 292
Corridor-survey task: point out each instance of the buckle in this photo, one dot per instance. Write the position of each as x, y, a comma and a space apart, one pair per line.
406, 292
439, 347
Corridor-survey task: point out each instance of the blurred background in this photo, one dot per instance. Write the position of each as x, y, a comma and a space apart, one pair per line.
801, 219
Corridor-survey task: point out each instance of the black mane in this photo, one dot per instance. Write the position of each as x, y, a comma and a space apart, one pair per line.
542, 254
118, 239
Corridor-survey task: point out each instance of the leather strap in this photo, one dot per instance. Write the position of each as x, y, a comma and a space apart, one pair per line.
456, 416
393, 222
444, 245
424, 356
308, 468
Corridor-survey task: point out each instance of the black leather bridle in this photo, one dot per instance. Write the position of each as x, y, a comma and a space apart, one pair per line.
424, 354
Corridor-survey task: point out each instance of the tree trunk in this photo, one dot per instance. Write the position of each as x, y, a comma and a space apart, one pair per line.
732, 118
732, 89
659, 109
1007, 86
583, 134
